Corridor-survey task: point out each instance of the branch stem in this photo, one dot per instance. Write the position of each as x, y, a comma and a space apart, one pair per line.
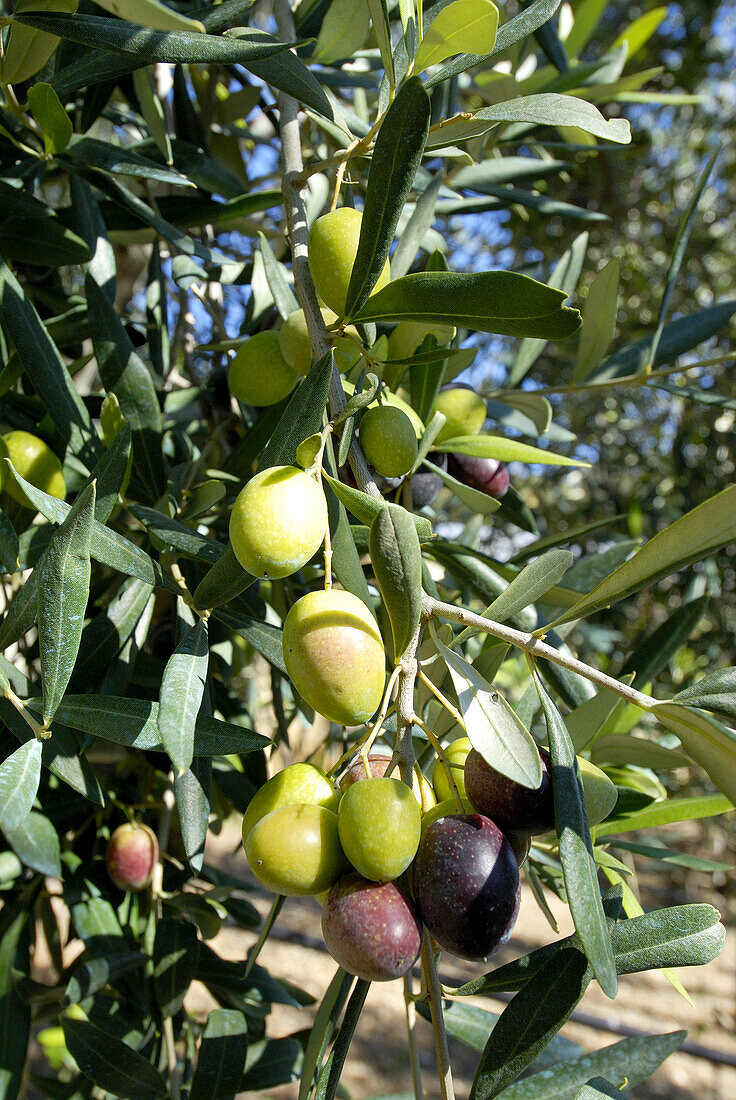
434, 990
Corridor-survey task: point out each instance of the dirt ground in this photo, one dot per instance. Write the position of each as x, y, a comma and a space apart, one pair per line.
377, 1064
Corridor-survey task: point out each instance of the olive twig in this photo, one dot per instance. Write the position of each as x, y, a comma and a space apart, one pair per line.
411, 1030
434, 742
434, 990
268, 924
442, 699
40, 732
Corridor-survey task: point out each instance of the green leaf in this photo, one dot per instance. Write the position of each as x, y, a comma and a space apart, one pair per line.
121, 162
653, 653
626, 749
716, 692
36, 844
51, 117
665, 813
225, 580
397, 562
125, 374
532, 1018
282, 293
185, 539
151, 13
26, 50
486, 301
134, 722
180, 698
517, 29
110, 1063
599, 319
494, 729
634, 1059
693, 537
682, 935
323, 1028
565, 276
530, 584
416, 228
576, 853
15, 1014
638, 33
709, 742
263, 636
344, 29
272, 1062
365, 508
464, 26
63, 591
192, 793
44, 366
175, 952
94, 971
9, 544
552, 109
506, 450
382, 29
302, 417
329, 1078
20, 774
396, 156
222, 1055
478, 502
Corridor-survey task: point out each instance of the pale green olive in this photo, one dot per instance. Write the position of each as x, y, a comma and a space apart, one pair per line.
388, 440
380, 827
465, 413
456, 753
295, 785
296, 850
35, 462
259, 374
333, 244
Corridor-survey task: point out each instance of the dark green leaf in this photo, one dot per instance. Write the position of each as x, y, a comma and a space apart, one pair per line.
22, 613
302, 417
9, 544
175, 952
181, 693
272, 1062
323, 1028
486, 301
665, 813
576, 854
192, 793
264, 637
225, 580
530, 1020
599, 1089
222, 1055
397, 563
20, 774
15, 1015
94, 971
63, 591
120, 161
396, 156
111, 1064
36, 844
104, 638
716, 692
329, 1078
41, 241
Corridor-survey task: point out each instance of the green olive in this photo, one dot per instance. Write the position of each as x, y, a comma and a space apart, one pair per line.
296, 347
408, 335
388, 440
456, 753
259, 374
35, 462
278, 522
296, 850
295, 785
333, 244
380, 827
465, 413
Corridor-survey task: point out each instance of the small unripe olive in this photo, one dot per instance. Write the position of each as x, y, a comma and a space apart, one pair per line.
296, 347
259, 374
333, 244
388, 440
132, 854
465, 412
380, 827
296, 850
456, 753
35, 462
278, 522
295, 785
334, 655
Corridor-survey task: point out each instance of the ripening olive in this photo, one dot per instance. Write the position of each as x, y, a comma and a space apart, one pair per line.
465, 412
259, 374
295, 850
333, 244
513, 807
456, 753
278, 522
295, 785
445, 808
388, 440
132, 854
35, 462
334, 655
380, 825
487, 475
371, 928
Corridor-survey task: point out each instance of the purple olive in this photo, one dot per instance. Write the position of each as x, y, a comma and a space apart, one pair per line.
371, 928
487, 475
466, 885
514, 808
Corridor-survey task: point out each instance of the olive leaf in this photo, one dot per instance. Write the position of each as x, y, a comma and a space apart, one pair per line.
397, 562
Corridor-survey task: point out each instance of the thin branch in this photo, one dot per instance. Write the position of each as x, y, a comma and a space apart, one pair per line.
536, 647
434, 991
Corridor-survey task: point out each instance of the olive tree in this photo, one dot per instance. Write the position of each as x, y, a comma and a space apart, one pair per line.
253, 436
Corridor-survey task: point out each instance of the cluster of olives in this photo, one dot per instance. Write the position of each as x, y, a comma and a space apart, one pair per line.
385, 859
35, 462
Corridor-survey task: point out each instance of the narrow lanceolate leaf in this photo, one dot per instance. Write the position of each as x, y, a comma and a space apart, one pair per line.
175, 953
225, 580
125, 374
465, 26
151, 13
181, 693
365, 508
19, 778
44, 365
709, 742
192, 793
51, 117
665, 813
329, 1078
530, 585
716, 692
691, 538
494, 729
36, 844
478, 502
382, 29
396, 157
110, 1063
534, 1016
221, 1058
505, 450
576, 853
633, 1059
283, 295
599, 1089
63, 592
599, 319
397, 563
552, 109
302, 417
504, 302
323, 1027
